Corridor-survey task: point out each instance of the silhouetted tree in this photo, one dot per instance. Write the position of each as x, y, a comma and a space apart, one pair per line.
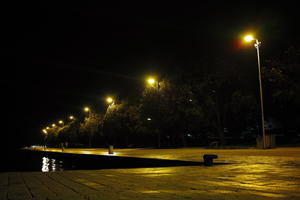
282, 86
91, 125
171, 110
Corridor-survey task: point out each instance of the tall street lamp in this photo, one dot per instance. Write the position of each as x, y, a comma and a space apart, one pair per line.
250, 38
155, 84
111, 102
87, 110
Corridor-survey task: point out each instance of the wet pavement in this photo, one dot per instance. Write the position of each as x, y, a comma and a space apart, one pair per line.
251, 174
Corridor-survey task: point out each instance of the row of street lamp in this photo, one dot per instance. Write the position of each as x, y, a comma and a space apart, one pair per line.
45, 130
110, 100
153, 82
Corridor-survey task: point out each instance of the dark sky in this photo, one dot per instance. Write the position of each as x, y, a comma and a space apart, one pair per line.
58, 57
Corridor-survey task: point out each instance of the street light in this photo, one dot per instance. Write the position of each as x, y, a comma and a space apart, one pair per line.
71, 117
61, 122
109, 100
152, 82
87, 110
111, 103
250, 38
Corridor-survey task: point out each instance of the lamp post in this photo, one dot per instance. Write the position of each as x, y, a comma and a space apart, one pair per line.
152, 82
110, 102
257, 43
87, 110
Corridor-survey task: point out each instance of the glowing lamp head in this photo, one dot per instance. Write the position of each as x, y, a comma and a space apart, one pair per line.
109, 100
86, 109
151, 81
60, 121
249, 38
53, 125
71, 117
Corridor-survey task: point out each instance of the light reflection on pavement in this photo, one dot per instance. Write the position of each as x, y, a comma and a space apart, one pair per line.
251, 174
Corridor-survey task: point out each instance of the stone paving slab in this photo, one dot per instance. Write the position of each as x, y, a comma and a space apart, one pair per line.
194, 182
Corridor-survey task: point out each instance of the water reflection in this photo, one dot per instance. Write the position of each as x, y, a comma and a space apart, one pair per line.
50, 164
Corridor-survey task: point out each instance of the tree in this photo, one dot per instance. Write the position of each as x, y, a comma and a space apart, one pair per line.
152, 111
72, 131
243, 111
171, 110
223, 89
121, 123
281, 78
91, 125
111, 123
214, 92
182, 110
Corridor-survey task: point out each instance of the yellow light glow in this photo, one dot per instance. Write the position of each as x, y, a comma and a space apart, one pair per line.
86, 109
60, 121
45, 131
151, 81
71, 117
47, 127
249, 38
109, 100
53, 125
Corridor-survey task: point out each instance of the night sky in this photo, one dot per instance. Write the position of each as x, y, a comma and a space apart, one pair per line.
58, 57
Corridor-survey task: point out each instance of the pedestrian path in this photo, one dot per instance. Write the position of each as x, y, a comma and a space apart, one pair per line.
218, 182
254, 174
184, 154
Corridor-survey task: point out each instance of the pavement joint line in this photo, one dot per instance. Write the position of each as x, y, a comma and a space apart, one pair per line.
63, 185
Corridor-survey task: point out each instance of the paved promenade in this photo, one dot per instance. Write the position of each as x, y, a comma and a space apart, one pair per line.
253, 174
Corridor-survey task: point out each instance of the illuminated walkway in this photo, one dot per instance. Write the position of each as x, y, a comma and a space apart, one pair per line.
254, 174
186, 154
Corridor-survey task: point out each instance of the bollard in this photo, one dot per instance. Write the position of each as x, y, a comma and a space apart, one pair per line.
111, 149
208, 159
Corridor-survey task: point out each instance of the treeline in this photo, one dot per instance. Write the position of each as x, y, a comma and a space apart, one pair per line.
217, 102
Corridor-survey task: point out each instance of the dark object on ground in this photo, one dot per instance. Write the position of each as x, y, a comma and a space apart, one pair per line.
208, 159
